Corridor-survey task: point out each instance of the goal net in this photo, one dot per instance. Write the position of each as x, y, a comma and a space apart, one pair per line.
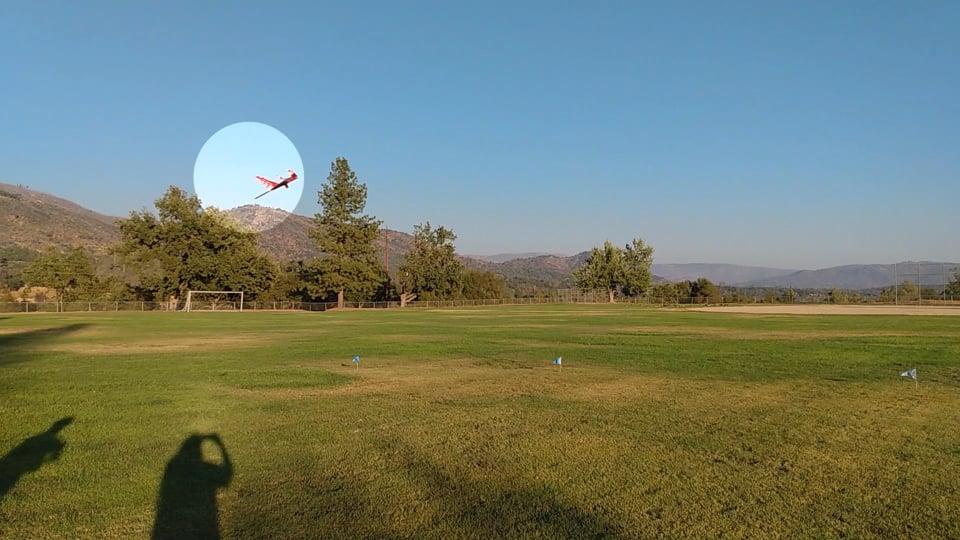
214, 301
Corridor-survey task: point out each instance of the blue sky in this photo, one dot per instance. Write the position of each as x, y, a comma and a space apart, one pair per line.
791, 134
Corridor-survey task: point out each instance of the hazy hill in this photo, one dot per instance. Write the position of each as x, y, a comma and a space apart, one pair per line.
290, 239
506, 257
549, 271
717, 273
37, 222
856, 276
287, 241
32, 222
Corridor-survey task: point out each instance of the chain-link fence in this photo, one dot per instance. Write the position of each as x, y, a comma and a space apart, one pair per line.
923, 283
651, 301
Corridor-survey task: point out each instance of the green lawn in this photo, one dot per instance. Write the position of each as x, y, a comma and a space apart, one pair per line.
666, 423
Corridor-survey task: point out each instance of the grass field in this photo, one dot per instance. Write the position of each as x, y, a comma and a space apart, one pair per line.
666, 423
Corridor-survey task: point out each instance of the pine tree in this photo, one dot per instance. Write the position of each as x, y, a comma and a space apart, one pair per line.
346, 237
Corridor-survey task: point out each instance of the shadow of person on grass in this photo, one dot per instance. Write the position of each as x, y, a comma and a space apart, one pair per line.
187, 502
31, 454
13, 346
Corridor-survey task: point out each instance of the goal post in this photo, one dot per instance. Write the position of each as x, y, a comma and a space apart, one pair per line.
218, 299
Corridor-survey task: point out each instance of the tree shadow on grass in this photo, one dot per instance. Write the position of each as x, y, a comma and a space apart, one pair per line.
504, 507
187, 502
12, 345
31, 454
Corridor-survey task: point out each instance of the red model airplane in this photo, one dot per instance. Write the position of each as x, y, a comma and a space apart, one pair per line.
284, 182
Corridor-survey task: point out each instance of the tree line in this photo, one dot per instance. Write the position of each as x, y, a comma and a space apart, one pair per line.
182, 246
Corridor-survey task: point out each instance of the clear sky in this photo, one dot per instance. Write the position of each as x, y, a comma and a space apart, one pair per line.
791, 134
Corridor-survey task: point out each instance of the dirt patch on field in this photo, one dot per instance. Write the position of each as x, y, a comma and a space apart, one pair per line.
458, 380
173, 344
746, 333
826, 309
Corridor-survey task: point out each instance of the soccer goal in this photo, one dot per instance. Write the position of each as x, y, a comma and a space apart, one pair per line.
214, 301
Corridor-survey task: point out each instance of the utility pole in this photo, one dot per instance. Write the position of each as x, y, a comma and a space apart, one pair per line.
896, 284
386, 252
919, 286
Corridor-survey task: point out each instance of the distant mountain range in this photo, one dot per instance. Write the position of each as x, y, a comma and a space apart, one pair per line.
728, 274
32, 222
861, 276
548, 271
506, 257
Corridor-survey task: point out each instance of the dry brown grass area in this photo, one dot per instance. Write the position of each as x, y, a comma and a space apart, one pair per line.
746, 333
830, 309
160, 345
465, 379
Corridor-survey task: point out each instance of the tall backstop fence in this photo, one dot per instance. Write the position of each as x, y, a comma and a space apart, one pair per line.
918, 283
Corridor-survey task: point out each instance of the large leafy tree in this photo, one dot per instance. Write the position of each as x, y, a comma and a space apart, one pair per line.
616, 270
346, 237
704, 289
953, 288
604, 269
71, 275
185, 247
480, 284
431, 268
637, 260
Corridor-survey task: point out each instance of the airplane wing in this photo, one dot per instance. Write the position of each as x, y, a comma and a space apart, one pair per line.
269, 183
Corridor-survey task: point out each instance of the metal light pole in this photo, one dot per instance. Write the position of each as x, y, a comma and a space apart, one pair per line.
896, 284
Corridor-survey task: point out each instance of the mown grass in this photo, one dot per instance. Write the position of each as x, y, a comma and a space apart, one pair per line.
455, 425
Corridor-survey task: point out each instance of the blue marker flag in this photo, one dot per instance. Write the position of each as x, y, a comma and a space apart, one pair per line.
910, 373
558, 361
356, 360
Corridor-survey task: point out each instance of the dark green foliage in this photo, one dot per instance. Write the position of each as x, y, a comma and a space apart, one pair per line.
701, 290
637, 259
953, 288
71, 274
13, 260
603, 270
349, 267
616, 270
431, 268
290, 282
704, 289
478, 284
186, 247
